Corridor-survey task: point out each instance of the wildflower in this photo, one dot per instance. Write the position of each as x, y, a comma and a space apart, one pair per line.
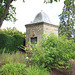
26, 57
30, 48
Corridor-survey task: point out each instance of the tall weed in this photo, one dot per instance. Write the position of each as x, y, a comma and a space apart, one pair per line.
14, 58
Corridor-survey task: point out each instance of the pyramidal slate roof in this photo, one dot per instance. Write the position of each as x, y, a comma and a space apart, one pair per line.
41, 17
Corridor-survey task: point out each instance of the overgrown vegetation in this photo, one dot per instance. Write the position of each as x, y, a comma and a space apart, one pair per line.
6, 41
12, 31
36, 70
20, 69
16, 64
13, 69
17, 57
54, 52
11, 39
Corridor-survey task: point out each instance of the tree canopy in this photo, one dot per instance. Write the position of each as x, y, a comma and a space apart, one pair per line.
50, 1
7, 11
67, 19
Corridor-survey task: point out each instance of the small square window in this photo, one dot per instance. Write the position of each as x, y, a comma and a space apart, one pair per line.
34, 40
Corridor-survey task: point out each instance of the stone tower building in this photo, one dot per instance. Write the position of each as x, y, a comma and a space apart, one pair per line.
40, 25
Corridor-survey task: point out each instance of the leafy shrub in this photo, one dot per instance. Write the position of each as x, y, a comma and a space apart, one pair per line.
13, 69
21, 69
54, 52
12, 31
3, 39
19, 40
10, 39
35, 70
10, 43
7, 42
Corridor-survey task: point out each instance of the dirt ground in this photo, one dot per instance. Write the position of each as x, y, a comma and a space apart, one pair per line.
57, 72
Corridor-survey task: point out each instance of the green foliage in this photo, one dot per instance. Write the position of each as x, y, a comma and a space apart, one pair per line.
19, 40
17, 57
50, 1
67, 19
10, 39
12, 31
54, 52
35, 70
11, 12
7, 42
20, 69
3, 40
7, 11
11, 43
13, 69
14, 64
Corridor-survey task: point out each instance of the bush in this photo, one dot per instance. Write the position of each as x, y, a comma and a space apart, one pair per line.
13, 69
11, 38
54, 52
3, 39
10, 43
12, 31
19, 40
21, 69
7, 42
35, 70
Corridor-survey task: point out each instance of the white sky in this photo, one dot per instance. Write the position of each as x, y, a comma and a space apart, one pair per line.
26, 12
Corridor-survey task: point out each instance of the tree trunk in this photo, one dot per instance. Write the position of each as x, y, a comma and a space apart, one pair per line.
5, 12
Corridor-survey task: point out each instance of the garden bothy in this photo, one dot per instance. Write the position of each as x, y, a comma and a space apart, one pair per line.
39, 26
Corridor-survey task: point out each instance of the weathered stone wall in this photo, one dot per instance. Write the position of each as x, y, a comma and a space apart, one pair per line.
34, 30
38, 29
48, 28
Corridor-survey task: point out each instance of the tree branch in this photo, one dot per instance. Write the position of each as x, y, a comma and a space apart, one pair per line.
6, 11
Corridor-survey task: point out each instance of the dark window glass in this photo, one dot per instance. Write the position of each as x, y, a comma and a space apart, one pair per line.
34, 40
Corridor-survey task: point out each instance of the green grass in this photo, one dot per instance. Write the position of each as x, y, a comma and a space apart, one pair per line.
17, 57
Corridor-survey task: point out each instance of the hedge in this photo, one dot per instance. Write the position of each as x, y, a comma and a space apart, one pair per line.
19, 40
9, 42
